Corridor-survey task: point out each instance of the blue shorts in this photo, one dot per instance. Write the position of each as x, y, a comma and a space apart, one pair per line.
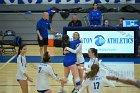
42, 91
66, 64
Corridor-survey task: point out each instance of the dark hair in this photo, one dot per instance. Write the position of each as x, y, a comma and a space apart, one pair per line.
46, 57
78, 35
104, 21
65, 41
90, 74
20, 48
93, 50
95, 68
95, 3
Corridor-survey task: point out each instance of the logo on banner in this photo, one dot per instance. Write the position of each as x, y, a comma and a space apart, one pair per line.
99, 40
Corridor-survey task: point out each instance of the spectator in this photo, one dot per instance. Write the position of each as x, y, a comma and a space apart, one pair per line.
106, 23
75, 21
120, 22
95, 15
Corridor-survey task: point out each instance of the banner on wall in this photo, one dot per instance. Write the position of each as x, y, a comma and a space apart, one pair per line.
68, 1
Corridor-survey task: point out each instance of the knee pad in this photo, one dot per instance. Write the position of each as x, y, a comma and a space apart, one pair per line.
77, 81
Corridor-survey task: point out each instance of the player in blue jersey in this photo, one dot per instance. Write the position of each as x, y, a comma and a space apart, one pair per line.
69, 61
78, 52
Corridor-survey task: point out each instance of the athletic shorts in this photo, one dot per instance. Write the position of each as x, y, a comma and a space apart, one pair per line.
42, 91
67, 64
138, 83
43, 42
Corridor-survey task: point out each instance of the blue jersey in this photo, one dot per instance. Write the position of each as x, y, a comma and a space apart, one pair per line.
70, 58
43, 26
95, 17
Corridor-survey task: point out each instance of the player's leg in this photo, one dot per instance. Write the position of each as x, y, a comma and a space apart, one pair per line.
66, 73
41, 51
81, 72
45, 48
45, 44
40, 42
23, 85
75, 74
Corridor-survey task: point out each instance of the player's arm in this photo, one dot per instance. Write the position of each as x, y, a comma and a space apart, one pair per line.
20, 65
125, 81
76, 50
52, 74
38, 26
38, 33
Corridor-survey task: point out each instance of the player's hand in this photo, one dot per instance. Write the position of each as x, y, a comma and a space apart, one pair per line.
63, 80
30, 79
65, 52
65, 49
40, 38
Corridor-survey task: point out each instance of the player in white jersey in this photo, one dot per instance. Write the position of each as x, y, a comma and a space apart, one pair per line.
99, 82
88, 82
44, 71
95, 85
21, 75
93, 54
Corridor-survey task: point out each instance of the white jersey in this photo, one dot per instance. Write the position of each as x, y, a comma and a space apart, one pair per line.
95, 85
100, 82
21, 67
87, 83
44, 71
90, 63
78, 52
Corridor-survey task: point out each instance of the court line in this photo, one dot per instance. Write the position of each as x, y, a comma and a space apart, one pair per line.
5, 64
60, 85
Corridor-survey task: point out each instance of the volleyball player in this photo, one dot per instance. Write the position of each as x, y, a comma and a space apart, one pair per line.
79, 55
44, 71
22, 76
99, 82
89, 76
69, 62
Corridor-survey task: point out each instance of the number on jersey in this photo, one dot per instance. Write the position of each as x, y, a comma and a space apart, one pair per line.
96, 85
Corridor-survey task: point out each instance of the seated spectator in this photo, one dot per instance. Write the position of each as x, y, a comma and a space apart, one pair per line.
106, 23
120, 22
95, 16
75, 21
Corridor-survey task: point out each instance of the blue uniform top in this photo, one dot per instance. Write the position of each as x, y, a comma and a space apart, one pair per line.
70, 58
95, 17
43, 26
